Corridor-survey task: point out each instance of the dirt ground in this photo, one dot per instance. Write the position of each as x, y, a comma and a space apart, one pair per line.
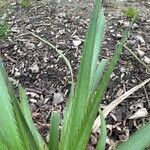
46, 77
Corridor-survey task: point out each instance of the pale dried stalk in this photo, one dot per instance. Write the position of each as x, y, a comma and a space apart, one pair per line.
116, 102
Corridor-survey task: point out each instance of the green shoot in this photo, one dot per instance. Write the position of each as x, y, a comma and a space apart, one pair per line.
17, 130
3, 29
25, 3
131, 13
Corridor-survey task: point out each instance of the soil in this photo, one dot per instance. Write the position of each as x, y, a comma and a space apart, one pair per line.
45, 76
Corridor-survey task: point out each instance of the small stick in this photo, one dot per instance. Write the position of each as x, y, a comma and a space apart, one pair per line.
46, 24
9, 58
116, 102
136, 57
58, 51
146, 94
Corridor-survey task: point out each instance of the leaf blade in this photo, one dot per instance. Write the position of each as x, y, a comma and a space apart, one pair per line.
25, 135
139, 140
28, 117
3, 146
54, 132
98, 74
102, 140
79, 102
8, 126
97, 97
97, 44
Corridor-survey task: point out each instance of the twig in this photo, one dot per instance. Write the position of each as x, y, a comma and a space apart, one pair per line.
46, 42
43, 125
9, 58
46, 24
136, 57
147, 97
58, 51
38, 91
24, 34
116, 102
146, 94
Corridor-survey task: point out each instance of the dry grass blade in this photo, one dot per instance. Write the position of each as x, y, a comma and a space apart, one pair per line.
116, 102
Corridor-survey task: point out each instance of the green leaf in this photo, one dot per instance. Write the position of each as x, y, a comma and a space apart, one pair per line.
24, 105
9, 133
25, 133
97, 43
54, 131
95, 99
78, 105
98, 74
138, 141
3, 146
103, 133
84, 105
21, 130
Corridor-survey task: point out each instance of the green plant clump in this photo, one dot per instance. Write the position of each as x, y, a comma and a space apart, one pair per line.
25, 3
131, 12
17, 130
3, 29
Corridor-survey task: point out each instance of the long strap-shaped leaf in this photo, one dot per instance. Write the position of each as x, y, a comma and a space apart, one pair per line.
54, 131
97, 98
28, 117
97, 71
9, 133
23, 130
79, 103
93, 85
138, 141
98, 75
103, 133
3, 146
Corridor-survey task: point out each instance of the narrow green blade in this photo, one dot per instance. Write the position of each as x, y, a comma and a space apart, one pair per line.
96, 51
103, 133
9, 133
78, 105
97, 98
98, 74
24, 132
3, 146
28, 117
54, 131
138, 141
88, 62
